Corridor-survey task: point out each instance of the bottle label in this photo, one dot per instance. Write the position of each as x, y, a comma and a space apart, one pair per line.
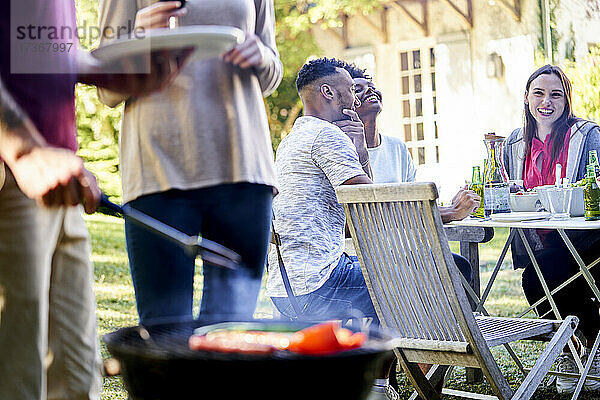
496, 198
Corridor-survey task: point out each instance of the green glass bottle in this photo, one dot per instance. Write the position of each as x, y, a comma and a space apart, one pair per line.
593, 160
477, 187
591, 195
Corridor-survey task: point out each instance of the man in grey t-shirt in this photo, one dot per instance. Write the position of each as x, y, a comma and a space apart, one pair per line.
314, 158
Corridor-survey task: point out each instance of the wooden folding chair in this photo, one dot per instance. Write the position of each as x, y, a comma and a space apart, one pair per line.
417, 292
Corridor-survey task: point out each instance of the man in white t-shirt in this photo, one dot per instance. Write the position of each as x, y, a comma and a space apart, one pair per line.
391, 162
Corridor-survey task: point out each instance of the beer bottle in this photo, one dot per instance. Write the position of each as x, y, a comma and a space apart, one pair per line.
477, 187
591, 195
593, 160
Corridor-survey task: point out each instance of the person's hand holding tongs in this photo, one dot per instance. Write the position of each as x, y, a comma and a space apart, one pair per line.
210, 252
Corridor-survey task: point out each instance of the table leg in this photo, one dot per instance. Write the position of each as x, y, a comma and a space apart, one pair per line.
538, 271
488, 287
586, 272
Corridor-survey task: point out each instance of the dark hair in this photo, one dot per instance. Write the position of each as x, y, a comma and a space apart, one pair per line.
316, 69
561, 125
356, 72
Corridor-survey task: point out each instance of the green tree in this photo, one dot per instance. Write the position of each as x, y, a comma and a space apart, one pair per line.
295, 20
585, 78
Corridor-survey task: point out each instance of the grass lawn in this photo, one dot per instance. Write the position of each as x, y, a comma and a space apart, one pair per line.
116, 303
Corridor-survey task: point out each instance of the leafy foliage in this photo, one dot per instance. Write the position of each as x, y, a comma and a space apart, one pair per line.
585, 78
295, 19
98, 128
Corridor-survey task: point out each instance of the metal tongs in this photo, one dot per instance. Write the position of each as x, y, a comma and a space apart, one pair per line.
208, 251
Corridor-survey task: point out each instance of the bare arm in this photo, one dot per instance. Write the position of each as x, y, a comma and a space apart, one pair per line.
358, 180
259, 50
465, 202
355, 130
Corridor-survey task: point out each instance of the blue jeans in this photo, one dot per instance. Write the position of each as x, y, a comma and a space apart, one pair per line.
344, 291
237, 216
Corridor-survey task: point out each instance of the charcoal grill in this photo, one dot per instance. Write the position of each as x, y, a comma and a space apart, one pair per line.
156, 363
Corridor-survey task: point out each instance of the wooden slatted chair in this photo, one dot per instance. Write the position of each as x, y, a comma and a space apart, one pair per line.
417, 292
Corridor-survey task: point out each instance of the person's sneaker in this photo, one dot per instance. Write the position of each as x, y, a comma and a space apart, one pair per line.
593, 385
377, 393
383, 393
566, 363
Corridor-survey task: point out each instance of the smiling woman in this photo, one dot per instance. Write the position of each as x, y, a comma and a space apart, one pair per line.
553, 136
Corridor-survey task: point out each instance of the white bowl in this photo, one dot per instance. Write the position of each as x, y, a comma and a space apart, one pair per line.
528, 201
577, 205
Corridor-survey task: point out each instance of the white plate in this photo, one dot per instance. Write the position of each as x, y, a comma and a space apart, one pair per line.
209, 40
519, 216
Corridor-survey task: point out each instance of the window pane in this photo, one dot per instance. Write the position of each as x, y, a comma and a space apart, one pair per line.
433, 81
435, 128
406, 108
404, 61
417, 83
434, 105
420, 134
437, 154
421, 155
416, 59
405, 85
407, 133
432, 57
410, 150
419, 107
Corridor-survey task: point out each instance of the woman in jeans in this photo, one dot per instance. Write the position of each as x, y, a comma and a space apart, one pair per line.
552, 135
198, 157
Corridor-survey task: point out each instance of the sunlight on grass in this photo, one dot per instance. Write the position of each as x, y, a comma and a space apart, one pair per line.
116, 302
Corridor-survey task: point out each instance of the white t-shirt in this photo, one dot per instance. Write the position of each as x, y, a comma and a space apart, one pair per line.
391, 161
313, 159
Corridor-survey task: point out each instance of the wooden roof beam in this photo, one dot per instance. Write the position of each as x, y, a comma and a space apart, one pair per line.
514, 6
381, 30
422, 23
343, 36
467, 15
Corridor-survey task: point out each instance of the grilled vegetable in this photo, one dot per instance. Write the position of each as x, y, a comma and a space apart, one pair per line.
325, 338
328, 337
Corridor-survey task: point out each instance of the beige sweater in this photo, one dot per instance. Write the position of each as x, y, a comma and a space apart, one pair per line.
210, 127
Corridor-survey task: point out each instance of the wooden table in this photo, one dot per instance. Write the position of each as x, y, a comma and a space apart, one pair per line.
472, 228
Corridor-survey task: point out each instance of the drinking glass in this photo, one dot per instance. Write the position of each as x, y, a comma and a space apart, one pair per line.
560, 202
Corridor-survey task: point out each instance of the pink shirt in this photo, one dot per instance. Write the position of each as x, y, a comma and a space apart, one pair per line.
532, 176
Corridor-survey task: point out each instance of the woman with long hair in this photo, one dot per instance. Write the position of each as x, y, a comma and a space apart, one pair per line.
551, 135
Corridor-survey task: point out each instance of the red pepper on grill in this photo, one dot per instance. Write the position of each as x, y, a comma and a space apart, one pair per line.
325, 338
328, 337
